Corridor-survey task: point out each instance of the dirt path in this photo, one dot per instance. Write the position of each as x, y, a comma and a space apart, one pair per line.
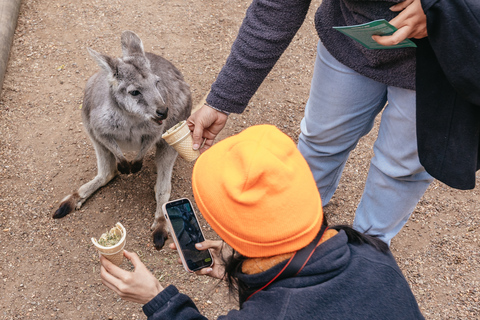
48, 268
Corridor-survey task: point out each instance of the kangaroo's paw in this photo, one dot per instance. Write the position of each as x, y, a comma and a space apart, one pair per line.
136, 166
67, 206
123, 166
160, 235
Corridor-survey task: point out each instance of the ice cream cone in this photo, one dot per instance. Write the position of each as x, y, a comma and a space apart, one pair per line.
115, 252
180, 138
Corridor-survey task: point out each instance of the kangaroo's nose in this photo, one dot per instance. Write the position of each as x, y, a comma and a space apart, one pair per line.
162, 113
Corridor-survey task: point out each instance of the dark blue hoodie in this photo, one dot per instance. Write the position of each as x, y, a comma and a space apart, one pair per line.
340, 281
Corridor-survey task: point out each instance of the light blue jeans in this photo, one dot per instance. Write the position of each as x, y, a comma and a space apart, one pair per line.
340, 110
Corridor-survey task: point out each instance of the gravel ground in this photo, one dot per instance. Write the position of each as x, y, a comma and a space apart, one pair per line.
48, 268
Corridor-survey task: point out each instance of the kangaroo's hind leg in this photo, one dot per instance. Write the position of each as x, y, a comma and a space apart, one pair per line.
164, 159
106, 171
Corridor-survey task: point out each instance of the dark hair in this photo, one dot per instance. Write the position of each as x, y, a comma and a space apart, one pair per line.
357, 237
233, 263
233, 266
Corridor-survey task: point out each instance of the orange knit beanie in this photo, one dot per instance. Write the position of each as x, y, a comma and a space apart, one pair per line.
257, 192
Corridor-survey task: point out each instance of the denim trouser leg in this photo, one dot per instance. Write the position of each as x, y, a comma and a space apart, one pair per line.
396, 180
341, 109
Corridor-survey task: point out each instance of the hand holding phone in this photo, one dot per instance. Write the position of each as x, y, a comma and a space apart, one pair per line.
217, 248
186, 232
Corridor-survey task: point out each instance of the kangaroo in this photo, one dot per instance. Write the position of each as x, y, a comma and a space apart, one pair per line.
127, 106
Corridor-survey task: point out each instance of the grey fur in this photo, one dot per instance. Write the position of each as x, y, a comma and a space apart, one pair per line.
126, 107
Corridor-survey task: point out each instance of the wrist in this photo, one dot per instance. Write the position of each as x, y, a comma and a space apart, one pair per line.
222, 111
158, 288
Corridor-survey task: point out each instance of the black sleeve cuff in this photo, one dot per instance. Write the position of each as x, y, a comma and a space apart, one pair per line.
160, 300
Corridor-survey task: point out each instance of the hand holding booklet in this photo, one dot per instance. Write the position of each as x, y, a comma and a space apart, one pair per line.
363, 33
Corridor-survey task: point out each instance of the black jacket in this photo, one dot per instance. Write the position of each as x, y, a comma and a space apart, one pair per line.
340, 281
448, 92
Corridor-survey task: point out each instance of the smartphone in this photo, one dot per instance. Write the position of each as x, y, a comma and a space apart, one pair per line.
185, 231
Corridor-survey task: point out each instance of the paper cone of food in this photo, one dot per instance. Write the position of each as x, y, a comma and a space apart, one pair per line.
180, 138
111, 244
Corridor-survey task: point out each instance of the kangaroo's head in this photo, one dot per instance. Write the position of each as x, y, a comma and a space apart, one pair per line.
134, 87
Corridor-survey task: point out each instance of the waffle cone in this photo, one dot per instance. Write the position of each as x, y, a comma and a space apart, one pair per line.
180, 138
113, 253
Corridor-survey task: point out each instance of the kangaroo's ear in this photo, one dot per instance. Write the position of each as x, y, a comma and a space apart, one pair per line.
105, 62
131, 44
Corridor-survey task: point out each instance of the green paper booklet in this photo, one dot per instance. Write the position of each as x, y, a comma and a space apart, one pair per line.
363, 34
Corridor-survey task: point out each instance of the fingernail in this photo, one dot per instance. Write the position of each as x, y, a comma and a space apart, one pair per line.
209, 270
199, 245
195, 146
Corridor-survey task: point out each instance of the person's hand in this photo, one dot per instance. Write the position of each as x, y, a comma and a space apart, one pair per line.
139, 286
411, 22
205, 124
217, 249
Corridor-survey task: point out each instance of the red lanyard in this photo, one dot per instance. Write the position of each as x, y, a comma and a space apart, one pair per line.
296, 263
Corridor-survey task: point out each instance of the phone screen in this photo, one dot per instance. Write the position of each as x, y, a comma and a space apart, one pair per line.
187, 231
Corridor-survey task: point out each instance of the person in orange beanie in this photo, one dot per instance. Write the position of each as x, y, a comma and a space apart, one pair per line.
258, 194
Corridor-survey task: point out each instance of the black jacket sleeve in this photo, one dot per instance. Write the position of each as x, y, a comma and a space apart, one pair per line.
171, 304
454, 34
448, 92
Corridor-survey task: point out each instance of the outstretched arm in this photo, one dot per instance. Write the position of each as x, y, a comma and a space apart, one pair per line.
267, 30
141, 286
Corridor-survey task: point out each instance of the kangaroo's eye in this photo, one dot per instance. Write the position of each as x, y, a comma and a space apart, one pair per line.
134, 93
